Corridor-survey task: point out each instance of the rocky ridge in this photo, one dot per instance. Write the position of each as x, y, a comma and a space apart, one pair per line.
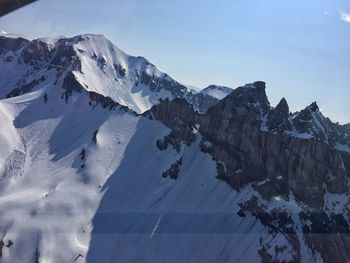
294, 157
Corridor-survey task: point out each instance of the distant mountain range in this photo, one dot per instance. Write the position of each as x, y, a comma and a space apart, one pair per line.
105, 158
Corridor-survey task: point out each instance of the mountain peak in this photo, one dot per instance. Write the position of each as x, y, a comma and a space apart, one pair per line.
283, 107
253, 93
97, 64
259, 84
313, 107
277, 118
99, 67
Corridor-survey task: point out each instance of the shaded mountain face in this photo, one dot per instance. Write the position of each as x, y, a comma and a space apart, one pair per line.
283, 156
105, 158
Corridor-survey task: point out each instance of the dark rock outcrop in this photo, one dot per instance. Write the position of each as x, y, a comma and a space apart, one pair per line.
173, 171
71, 84
12, 44
35, 52
233, 127
273, 162
23, 88
278, 117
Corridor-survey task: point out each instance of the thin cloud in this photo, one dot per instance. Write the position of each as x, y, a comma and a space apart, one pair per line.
327, 13
345, 17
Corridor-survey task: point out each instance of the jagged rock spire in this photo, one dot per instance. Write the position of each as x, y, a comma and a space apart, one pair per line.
278, 117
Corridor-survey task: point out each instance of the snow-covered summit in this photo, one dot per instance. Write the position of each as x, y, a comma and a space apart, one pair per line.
98, 65
218, 92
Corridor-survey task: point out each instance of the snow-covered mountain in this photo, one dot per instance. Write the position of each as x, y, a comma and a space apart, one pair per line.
104, 158
95, 64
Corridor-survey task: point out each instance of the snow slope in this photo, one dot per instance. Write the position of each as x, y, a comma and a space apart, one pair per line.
174, 220
48, 200
53, 198
102, 70
87, 186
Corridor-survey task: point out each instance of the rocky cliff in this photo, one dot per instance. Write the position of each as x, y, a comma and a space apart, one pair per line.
281, 155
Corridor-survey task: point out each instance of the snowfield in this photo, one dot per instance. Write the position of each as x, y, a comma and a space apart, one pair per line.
101, 77
57, 205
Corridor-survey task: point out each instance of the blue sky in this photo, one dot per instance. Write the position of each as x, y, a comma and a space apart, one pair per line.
300, 48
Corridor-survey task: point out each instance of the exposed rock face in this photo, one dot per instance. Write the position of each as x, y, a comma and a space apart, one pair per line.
24, 88
164, 83
70, 84
35, 52
278, 117
11, 44
180, 116
310, 123
201, 102
173, 170
273, 162
233, 126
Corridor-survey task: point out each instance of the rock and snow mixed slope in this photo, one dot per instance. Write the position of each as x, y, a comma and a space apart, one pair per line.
212, 176
300, 187
72, 168
96, 64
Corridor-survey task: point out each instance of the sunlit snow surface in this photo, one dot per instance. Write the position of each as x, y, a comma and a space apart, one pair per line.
218, 92
103, 80
48, 201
